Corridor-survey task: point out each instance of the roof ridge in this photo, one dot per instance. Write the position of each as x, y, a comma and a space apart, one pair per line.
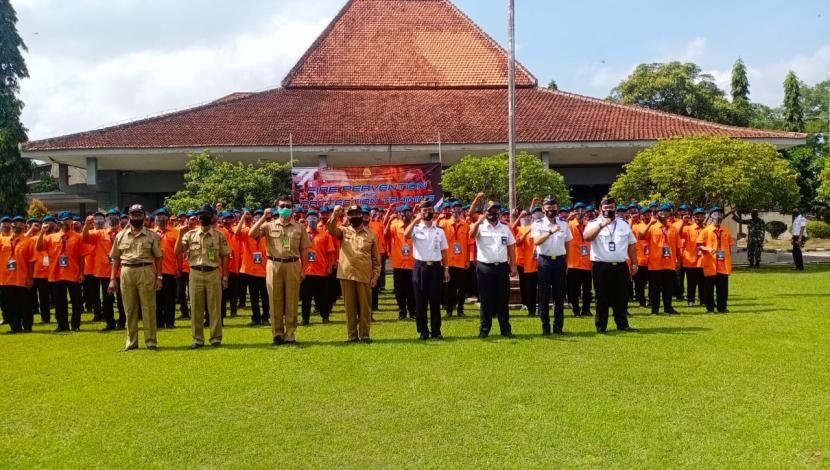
657, 112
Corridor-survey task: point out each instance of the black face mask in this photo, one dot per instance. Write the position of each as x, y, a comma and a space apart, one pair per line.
136, 222
609, 214
206, 220
551, 213
492, 217
356, 221
429, 216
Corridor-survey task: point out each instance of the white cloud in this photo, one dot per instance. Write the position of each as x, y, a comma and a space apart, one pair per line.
694, 50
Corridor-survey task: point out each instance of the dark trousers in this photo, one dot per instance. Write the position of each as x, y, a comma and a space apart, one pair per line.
552, 278
229, 295
166, 301
17, 308
379, 285
493, 293
59, 291
455, 291
694, 284
427, 281
335, 289
315, 288
712, 285
529, 288
611, 285
92, 294
798, 258
661, 283
105, 308
243, 291
404, 295
181, 294
259, 295
43, 292
679, 289
640, 282
579, 282
472, 280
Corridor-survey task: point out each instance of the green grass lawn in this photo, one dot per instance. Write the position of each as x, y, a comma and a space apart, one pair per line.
750, 389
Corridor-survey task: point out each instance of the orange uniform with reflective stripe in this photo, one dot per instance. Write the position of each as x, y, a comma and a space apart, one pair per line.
662, 237
579, 251
167, 241
320, 254
400, 252
717, 239
16, 253
458, 240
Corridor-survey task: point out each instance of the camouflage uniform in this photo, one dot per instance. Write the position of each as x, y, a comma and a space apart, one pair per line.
754, 239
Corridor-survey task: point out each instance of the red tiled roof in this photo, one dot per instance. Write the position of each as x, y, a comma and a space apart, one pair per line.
367, 117
403, 44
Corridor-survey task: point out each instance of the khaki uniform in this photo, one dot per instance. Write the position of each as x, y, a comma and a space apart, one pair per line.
285, 243
206, 249
357, 267
138, 254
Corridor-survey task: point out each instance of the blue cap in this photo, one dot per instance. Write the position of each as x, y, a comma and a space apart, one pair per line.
565, 209
163, 211
685, 207
365, 209
405, 207
633, 205
32, 220
300, 209
325, 209
465, 207
645, 210
259, 212
665, 207
226, 215
48, 218
621, 207
699, 210
5, 219
181, 214
190, 213
589, 207
312, 212
113, 211
715, 209
65, 215
579, 205
18, 218
505, 210
653, 204
77, 218
457, 203
124, 215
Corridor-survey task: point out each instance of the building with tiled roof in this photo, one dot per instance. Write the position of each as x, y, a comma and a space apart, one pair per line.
388, 81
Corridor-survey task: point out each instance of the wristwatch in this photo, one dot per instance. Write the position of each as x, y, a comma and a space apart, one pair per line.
159, 278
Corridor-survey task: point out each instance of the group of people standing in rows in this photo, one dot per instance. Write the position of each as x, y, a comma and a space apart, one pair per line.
290, 259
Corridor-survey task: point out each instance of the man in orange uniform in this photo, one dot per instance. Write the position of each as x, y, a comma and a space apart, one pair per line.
691, 257
400, 251
166, 297
579, 264
716, 243
99, 266
92, 285
66, 251
683, 219
663, 259
376, 226
457, 231
17, 258
252, 266
231, 294
317, 270
526, 261
641, 278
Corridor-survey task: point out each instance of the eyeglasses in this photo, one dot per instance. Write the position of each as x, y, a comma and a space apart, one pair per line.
285, 206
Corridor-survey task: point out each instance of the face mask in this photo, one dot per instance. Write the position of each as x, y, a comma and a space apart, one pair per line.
99, 222
66, 225
492, 216
16, 229
206, 220
162, 223
551, 213
609, 214
717, 219
113, 221
136, 222
285, 212
429, 216
312, 221
356, 221
525, 221
536, 216
407, 216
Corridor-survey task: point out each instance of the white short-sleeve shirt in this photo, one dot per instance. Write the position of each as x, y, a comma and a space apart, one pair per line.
611, 245
799, 223
492, 242
428, 242
555, 244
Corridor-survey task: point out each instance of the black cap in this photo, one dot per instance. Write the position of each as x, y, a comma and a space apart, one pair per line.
207, 209
353, 208
550, 201
137, 208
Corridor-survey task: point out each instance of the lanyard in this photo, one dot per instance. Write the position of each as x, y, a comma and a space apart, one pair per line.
718, 234
64, 240
13, 242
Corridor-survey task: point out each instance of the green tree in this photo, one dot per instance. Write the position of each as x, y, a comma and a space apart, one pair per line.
824, 189
552, 85
46, 184
765, 117
209, 179
816, 100
679, 88
741, 107
489, 175
808, 161
707, 171
14, 170
793, 106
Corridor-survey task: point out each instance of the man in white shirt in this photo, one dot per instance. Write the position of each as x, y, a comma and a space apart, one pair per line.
551, 236
430, 270
496, 262
799, 232
612, 245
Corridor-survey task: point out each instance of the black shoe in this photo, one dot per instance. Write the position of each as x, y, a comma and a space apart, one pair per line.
587, 313
254, 323
545, 331
577, 313
531, 314
76, 328
655, 312
352, 340
438, 336
196, 345
629, 329
558, 332
461, 313
305, 322
234, 314
183, 317
278, 341
723, 311
401, 317
152, 348
508, 335
60, 329
216, 344
326, 320
120, 327
108, 328
482, 335
424, 336
601, 331
291, 341
266, 322
643, 304
366, 340
671, 311
131, 348
97, 318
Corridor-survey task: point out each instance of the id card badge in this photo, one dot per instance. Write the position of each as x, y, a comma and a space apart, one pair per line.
109, 258
230, 256
645, 250
436, 244
456, 248
11, 265
583, 250
63, 261
257, 257
503, 241
612, 246
721, 255
666, 252
699, 251
405, 251
286, 243
46, 261
211, 252
312, 256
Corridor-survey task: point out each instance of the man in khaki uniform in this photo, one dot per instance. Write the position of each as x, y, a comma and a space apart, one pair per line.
208, 257
358, 269
287, 244
137, 254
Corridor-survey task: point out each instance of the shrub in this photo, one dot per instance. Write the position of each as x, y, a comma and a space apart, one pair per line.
775, 228
818, 229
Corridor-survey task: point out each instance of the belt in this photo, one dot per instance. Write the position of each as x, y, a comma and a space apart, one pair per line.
552, 258
204, 269
136, 265
283, 260
428, 263
492, 264
611, 263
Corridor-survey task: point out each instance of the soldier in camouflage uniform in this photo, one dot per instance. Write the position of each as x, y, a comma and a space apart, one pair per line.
754, 239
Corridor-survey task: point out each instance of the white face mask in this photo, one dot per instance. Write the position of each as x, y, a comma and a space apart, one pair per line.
525, 221
537, 215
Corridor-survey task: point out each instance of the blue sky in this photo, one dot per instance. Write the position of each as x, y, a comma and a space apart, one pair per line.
98, 62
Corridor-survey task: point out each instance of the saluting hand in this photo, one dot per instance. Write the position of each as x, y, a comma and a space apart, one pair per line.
89, 221
267, 213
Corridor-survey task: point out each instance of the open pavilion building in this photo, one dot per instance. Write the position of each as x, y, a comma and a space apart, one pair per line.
388, 81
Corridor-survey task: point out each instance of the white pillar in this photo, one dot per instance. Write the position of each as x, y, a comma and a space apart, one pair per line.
91, 171
545, 156
434, 158
322, 161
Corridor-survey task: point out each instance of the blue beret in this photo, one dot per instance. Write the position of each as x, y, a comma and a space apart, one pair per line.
48, 218
621, 207
405, 207
665, 207
124, 215
64, 216
5, 219
18, 218
190, 213
715, 209
163, 211
699, 210
77, 218
565, 209
685, 207
634, 205
589, 207
312, 212
579, 205
112, 212
324, 209
32, 220
644, 210
366, 209
181, 214
259, 212
457, 203
653, 204
465, 206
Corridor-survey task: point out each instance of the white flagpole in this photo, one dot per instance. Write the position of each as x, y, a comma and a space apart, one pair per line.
511, 106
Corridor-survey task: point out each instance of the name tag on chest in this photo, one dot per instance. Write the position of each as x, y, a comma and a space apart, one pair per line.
612, 246
405, 251
583, 250
504, 240
666, 252
456, 248
312, 256
721, 255
11, 265
257, 257
63, 261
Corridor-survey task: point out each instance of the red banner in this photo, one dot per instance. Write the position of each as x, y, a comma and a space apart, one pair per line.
367, 185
